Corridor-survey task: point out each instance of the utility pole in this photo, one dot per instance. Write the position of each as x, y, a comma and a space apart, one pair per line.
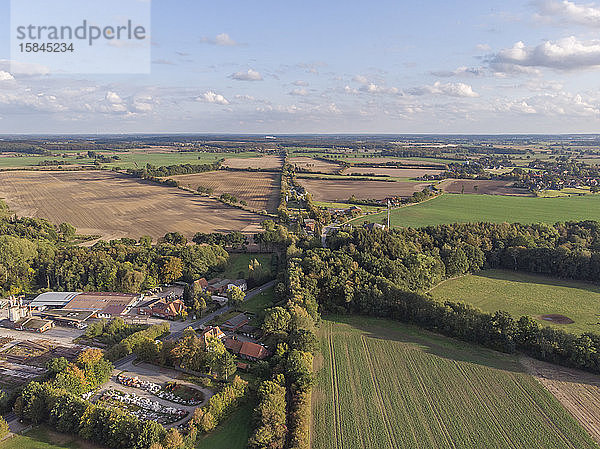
388, 215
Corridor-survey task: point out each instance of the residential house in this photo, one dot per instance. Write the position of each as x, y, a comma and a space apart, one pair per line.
165, 308
211, 332
240, 283
217, 286
246, 349
200, 284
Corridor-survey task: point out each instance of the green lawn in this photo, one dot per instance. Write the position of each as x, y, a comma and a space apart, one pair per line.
456, 208
237, 266
259, 303
232, 434
382, 384
527, 294
43, 438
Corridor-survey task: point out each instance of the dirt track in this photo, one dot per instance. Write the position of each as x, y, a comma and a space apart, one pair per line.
577, 391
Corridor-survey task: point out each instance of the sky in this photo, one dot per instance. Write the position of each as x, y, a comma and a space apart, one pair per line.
385, 66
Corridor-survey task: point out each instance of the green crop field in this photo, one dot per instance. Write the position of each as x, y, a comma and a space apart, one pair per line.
527, 294
382, 384
456, 208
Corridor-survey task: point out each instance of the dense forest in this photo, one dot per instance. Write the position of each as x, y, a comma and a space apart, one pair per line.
35, 254
388, 273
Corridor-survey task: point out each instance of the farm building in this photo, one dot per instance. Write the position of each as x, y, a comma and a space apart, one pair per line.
104, 305
75, 318
52, 300
236, 322
34, 325
245, 349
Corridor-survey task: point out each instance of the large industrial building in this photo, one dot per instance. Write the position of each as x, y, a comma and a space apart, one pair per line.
68, 304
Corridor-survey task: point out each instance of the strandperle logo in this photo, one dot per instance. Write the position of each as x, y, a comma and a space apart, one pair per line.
84, 32
80, 36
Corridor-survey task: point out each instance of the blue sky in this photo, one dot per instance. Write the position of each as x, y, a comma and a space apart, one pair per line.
332, 67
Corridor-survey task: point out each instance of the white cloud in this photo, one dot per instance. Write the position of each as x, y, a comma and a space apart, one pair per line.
361, 79
373, 88
23, 68
223, 40
461, 71
483, 47
565, 54
211, 97
449, 89
5, 76
568, 12
300, 83
250, 75
299, 92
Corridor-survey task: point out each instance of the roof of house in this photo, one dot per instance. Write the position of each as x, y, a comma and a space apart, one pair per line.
215, 332
236, 321
233, 344
253, 350
165, 305
219, 284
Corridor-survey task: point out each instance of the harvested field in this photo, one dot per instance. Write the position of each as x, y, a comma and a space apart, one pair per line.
577, 391
341, 190
114, 205
270, 162
259, 190
484, 187
314, 165
383, 384
393, 172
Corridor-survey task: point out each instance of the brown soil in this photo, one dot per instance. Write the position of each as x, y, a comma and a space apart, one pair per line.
393, 172
114, 205
259, 190
314, 165
557, 319
270, 162
577, 391
340, 190
486, 187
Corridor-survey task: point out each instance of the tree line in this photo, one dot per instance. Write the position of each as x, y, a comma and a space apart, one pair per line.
387, 274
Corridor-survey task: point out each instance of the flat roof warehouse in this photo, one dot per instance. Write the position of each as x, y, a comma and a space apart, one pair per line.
84, 32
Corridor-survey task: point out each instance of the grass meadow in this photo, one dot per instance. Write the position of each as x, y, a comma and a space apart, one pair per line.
457, 208
527, 294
